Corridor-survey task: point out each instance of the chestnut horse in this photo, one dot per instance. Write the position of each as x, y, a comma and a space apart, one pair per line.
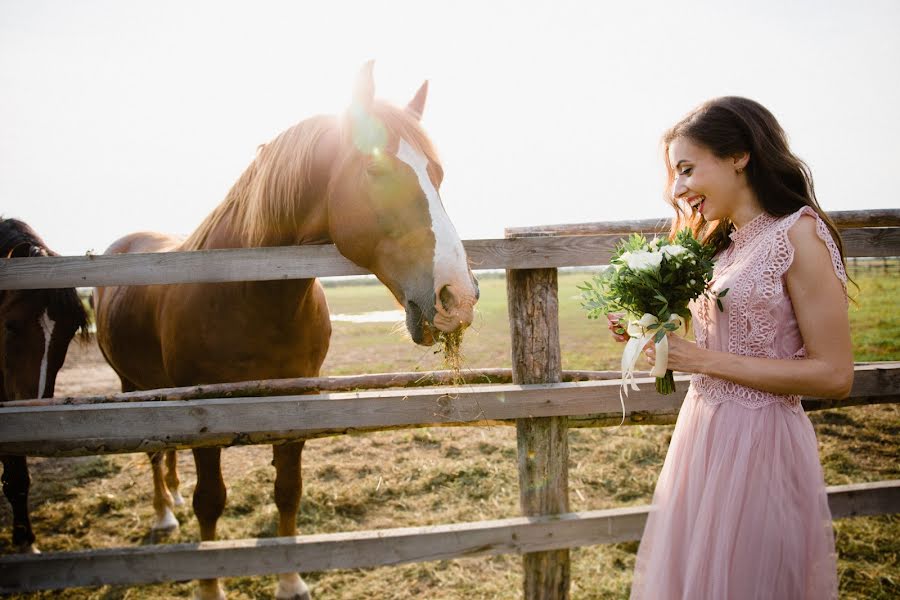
37, 326
366, 181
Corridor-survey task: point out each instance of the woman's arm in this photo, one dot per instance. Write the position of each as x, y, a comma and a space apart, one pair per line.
820, 306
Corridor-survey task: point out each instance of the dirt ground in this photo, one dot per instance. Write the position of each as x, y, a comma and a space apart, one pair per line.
85, 372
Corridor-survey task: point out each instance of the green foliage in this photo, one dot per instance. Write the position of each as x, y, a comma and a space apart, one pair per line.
660, 277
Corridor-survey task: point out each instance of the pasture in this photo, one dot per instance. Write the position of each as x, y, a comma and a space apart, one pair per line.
442, 475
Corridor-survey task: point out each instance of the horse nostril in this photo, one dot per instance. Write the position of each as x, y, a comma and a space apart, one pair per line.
446, 298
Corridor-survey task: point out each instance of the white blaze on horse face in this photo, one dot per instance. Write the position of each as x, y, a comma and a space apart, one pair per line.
47, 325
449, 256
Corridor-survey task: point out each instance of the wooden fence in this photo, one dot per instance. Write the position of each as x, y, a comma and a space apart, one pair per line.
538, 401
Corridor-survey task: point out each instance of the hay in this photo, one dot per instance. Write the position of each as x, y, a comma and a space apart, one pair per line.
451, 351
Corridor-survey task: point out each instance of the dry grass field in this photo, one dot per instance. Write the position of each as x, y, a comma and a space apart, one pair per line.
443, 475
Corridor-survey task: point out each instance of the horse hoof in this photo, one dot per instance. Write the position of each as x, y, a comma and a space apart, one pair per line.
160, 533
291, 587
178, 500
166, 524
28, 549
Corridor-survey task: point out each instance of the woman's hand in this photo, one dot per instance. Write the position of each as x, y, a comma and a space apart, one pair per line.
617, 324
684, 356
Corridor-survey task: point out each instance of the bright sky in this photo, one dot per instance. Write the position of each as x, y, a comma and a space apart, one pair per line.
124, 116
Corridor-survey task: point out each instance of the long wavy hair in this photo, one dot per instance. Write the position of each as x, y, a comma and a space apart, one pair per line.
732, 125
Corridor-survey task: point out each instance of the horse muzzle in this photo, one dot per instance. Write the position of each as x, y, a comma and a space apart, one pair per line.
448, 313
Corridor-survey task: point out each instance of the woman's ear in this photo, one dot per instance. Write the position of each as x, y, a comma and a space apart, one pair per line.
740, 161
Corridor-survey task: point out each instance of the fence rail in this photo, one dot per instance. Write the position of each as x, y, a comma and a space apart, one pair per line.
366, 549
106, 428
843, 219
297, 262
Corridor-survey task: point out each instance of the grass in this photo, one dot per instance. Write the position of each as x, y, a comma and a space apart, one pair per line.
431, 476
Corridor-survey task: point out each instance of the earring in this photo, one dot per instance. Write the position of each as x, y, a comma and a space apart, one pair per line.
739, 170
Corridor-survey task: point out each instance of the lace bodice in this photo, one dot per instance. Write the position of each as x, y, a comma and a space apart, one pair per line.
758, 317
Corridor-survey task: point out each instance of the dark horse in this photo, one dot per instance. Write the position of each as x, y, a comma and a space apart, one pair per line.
37, 326
366, 181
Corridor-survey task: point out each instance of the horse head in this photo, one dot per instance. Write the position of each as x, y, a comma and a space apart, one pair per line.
385, 212
36, 327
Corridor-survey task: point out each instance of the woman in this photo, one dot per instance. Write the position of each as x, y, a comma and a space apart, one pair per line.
740, 508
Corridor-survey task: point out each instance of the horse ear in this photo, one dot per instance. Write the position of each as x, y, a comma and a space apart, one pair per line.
364, 92
416, 106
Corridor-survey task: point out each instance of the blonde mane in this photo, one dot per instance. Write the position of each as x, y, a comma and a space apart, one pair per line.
263, 204
266, 204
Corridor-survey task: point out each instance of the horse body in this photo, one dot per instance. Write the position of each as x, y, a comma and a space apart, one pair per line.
37, 327
367, 183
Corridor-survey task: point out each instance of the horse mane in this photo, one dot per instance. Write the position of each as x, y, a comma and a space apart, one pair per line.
58, 301
263, 204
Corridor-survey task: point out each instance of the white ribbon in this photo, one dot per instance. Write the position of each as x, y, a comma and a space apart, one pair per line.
640, 333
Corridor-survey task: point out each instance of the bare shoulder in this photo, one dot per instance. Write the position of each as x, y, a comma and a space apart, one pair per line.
812, 257
808, 246
804, 231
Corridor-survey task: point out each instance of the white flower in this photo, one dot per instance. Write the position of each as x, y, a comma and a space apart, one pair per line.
642, 260
673, 250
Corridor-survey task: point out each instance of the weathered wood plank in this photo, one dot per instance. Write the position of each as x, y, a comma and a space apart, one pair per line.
366, 549
150, 426
306, 385
883, 241
843, 219
258, 264
861, 499
543, 447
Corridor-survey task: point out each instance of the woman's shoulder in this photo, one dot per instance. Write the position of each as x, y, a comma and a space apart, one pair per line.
811, 247
805, 218
802, 228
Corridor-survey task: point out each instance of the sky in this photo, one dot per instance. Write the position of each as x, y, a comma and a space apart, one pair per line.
125, 116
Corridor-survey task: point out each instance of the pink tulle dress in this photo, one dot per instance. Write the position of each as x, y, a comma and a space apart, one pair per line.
740, 509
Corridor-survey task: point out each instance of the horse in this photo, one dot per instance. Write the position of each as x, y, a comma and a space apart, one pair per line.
37, 327
366, 180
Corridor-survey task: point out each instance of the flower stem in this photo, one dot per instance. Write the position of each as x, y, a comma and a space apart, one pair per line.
666, 383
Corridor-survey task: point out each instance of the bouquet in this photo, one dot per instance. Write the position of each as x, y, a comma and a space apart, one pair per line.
653, 283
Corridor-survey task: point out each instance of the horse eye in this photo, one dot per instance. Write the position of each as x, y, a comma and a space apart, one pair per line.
12, 328
377, 170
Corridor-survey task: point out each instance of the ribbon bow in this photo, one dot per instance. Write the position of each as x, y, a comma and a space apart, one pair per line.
642, 331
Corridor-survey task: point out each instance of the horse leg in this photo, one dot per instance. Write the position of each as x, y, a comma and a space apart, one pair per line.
209, 503
16, 484
163, 503
172, 481
288, 487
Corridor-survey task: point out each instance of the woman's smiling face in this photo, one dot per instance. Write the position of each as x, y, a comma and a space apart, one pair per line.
703, 181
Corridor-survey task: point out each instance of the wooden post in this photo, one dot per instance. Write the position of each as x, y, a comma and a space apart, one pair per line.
543, 445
